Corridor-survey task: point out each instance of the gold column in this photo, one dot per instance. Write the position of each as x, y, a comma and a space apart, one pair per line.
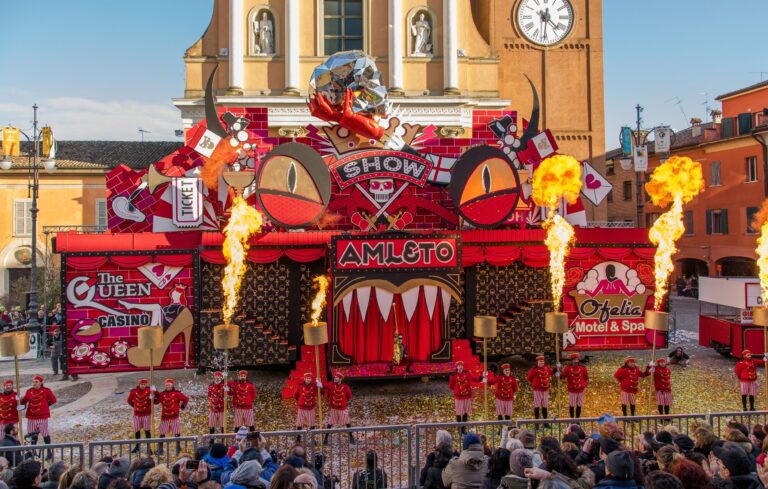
485, 327
226, 337
556, 323
656, 321
151, 339
316, 334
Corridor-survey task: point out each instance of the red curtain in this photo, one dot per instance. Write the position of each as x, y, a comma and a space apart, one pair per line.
174, 260
268, 255
471, 255
501, 256
129, 261
86, 262
614, 253
371, 339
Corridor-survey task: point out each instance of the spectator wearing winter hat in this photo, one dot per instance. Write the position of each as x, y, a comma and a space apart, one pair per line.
739, 438
519, 460
468, 470
118, 469
247, 476
305, 481
619, 471
684, 444
528, 439
252, 447
664, 437
729, 465
434, 476
239, 436
607, 446
441, 437
217, 460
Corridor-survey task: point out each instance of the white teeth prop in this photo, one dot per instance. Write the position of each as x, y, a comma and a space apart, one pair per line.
384, 298
123, 209
410, 301
346, 303
430, 296
446, 297
363, 298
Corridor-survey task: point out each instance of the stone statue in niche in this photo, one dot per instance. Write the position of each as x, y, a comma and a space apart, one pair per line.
264, 34
422, 36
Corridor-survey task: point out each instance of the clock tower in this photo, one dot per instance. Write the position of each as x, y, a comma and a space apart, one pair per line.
558, 44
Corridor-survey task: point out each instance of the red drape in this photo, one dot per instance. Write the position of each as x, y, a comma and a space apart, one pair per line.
268, 255
371, 339
86, 262
130, 261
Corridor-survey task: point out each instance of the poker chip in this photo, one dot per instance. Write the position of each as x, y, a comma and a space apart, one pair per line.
82, 352
119, 349
99, 359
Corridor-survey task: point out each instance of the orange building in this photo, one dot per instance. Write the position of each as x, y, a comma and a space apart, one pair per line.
719, 239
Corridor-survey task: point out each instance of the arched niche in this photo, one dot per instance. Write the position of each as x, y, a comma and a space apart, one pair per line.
259, 28
421, 21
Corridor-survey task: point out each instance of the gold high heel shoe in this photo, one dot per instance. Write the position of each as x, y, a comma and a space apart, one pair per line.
181, 325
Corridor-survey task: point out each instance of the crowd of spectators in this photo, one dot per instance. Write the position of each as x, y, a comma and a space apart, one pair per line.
666, 459
14, 316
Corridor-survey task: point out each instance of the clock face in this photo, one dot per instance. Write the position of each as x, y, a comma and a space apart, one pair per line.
545, 22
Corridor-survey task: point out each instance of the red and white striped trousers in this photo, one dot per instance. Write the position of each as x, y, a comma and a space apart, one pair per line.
170, 427
664, 398
306, 418
215, 419
38, 425
462, 406
338, 417
576, 399
505, 407
141, 423
628, 397
243, 417
541, 399
748, 388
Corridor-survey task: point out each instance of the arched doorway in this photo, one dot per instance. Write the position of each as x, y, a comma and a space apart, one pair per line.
693, 267
736, 266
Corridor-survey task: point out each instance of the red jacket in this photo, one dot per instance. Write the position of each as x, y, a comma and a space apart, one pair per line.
139, 399
8, 408
38, 402
628, 378
216, 398
506, 387
746, 370
662, 378
461, 384
171, 402
540, 377
243, 394
306, 396
338, 395
577, 378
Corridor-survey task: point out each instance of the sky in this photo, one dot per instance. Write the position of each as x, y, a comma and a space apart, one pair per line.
102, 69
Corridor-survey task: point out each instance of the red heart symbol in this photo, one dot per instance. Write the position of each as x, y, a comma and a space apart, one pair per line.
592, 182
158, 270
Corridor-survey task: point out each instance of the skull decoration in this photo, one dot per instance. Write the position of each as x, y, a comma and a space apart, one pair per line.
381, 189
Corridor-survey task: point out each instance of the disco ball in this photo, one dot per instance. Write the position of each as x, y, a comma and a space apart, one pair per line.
352, 70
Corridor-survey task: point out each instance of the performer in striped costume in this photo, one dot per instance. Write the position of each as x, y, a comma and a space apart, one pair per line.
9, 406
746, 371
216, 403
38, 401
576, 376
461, 385
171, 402
629, 376
243, 395
662, 383
306, 402
540, 378
338, 395
140, 399
506, 388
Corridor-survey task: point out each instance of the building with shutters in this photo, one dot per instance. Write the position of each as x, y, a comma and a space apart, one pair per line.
719, 237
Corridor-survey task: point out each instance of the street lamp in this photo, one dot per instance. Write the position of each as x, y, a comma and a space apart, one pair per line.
33, 169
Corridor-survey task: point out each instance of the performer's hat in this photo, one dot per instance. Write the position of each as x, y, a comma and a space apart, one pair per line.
661, 361
242, 372
143, 381
575, 356
460, 363
504, 366
38, 378
218, 375
630, 360
746, 353
307, 374
539, 357
338, 373
170, 381
54, 330
8, 382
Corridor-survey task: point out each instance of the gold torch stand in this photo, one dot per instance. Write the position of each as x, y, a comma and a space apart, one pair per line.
485, 327
760, 318
556, 323
151, 339
15, 344
226, 337
656, 321
316, 335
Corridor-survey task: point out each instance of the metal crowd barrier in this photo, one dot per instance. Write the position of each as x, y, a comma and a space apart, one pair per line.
72, 453
557, 427
635, 426
718, 421
344, 452
166, 450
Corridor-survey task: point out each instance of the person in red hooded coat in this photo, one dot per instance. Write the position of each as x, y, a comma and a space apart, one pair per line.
629, 376
540, 378
461, 385
216, 403
140, 398
9, 405
746, 371
662, 384
243, 395
506, 388
576, 376
38, 401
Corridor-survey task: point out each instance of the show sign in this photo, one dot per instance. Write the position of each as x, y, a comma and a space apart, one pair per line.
109, 299
609, 301
395, 253
365, 165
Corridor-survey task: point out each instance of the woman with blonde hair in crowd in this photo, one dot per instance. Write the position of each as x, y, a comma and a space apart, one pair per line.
67, 477
157, 476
